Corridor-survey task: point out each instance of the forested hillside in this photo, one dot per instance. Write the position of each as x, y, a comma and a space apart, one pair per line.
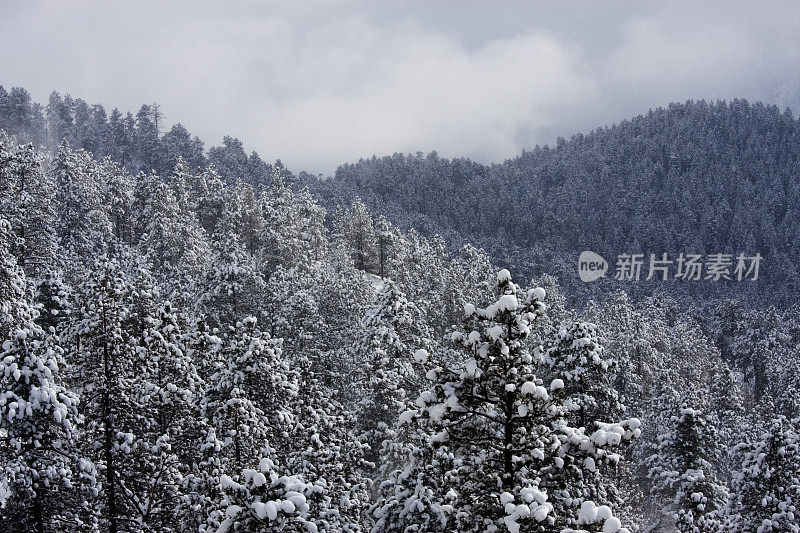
200, 341
691, 178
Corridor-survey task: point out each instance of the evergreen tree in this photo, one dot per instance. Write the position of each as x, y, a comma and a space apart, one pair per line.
160, 239
387, 377
683, 471
508, 433
577, 358
248, 397
165, 446
13, 287
178, 145
232, 284
59, 120
294, 233
251, 224
28, 201
48, 479
207, 196
413, 489
325, 449
84, 224
147, 143
120, 143
200, 484
354, 228
230, 160
118, 195
101, 361
767, 486
53, 302
384, 237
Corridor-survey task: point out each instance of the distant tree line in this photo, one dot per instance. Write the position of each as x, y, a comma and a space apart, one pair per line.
138, 142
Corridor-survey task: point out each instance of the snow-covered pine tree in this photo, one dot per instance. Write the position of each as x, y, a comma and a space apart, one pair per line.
765, 349
8, 182
470, 278
627, 338
576, 357
118, 196
194, 249
48, 479
200, 484
558, 315
14, 290
37, 247
340, 288
251, 224
13, 195
354, 228
683, 471
292, 311
297, 310
323, 444
233, 284
84, 223
53, 301
179, 182
758, 343
248, 398
384, 238
413, 491
408, 264
294, 234
422, 272
166, 444
143, 292
386, 379
144, 189
160, 238
325, 450
767, 487
171, 237
207, 196
506, 430
203, 344
101, 365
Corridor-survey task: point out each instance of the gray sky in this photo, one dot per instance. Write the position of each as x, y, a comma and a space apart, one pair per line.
321, 83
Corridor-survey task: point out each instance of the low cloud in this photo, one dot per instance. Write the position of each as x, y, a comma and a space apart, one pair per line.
327, 85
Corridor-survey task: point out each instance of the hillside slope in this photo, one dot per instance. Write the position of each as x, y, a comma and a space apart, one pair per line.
690, 178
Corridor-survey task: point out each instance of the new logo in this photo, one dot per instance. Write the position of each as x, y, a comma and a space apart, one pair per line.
591, 266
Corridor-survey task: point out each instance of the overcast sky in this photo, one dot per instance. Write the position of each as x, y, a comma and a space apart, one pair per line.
331, 82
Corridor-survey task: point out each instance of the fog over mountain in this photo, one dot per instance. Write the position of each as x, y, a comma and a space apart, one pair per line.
323, 83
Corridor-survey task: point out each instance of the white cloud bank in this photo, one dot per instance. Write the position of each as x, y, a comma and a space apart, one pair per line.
334, 82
